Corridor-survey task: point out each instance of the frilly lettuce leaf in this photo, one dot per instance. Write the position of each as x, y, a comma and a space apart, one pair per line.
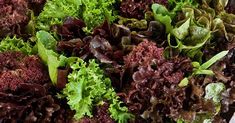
88, 87
55, 11
15, 44
92, 12
95, 12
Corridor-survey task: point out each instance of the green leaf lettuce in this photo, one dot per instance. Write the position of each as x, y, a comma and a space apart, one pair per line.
15, 44
89, 87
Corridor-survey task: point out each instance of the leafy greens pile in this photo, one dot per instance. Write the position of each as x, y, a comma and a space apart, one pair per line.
124, 61
92, 12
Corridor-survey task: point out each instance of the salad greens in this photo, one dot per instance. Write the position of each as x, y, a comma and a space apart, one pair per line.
15, 44
92, 12
55, 11
197, 28
202, 69
46, 46
96, 11
163, 15
213, 91
88, 87
117, 61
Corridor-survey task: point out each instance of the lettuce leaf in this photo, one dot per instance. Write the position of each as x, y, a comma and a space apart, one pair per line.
88, 87
15, 44
55, 11
202, 69
92, 12
213, 91
190, 34
96, 11
46, 44
162, 15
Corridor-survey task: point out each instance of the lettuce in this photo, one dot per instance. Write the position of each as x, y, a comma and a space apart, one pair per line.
55, 11
46, 45
198, 27
92, 12
15, 44
162, 15
96, 11
213, 91
203, 69
88, 87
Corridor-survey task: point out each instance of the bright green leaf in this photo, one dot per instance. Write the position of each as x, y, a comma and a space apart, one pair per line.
184, 82
182, 31
213, 60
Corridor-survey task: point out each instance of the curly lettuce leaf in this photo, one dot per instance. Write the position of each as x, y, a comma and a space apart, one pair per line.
96, 11
15, 44
55, 11
92, 12
118, 113
88, 87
